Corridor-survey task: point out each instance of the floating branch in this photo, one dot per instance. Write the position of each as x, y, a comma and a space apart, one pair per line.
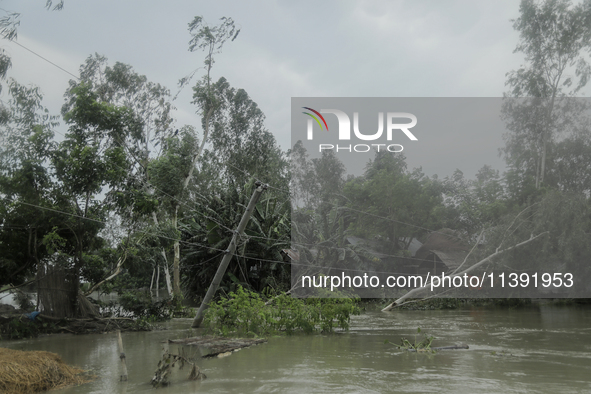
219, 346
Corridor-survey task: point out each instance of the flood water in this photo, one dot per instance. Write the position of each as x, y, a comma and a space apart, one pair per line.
542, 349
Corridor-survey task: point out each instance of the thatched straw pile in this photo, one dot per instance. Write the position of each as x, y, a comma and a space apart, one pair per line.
31, 372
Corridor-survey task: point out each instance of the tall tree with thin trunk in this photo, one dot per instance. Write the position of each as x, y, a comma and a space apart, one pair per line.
211, 40
555, 37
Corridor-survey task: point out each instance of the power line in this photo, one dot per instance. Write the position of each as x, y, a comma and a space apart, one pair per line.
147, 183
47, 60
202, 262
105, 223
135, 176
205, 246
62, 212
174, 198
230, 164
352, 209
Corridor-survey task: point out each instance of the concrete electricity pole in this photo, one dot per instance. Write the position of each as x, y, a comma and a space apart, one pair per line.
217, 279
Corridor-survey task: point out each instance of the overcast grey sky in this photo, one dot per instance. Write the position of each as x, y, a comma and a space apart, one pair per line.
382, 48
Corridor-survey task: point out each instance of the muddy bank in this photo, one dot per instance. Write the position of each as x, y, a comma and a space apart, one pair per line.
19, 325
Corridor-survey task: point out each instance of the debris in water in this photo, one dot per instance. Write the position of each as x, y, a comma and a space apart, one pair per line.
162, 374
219, 346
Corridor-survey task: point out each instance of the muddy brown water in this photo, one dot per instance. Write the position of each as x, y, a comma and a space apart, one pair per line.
545, 349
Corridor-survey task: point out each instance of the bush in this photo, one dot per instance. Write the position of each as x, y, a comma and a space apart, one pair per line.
141, 305
245, 312
19, 328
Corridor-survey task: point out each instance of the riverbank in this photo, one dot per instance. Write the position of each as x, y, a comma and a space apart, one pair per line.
15, 324
18, 325
538, 349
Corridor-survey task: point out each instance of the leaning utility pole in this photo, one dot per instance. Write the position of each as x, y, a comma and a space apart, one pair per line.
217, 279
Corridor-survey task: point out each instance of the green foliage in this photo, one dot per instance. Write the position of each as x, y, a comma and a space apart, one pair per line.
378, 205
246, 313
24, 180
210, 40
23, 300
555, 36
267, 232
472, 205
169, 171
53, 242
142, 306
19, 328
241, 146
394, 196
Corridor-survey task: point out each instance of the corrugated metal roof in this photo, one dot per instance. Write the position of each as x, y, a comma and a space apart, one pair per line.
452, 259
414, 245
367, 245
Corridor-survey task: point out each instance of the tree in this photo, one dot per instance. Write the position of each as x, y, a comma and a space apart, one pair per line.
554, 38
302, 176
394, 203
91, 161
241, 146
472, 205
146, 199
211, 40
170, 175
25, 183
56, 196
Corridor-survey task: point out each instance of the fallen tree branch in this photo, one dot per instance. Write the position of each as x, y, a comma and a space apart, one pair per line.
117, 271
14, 287
442, 348
481, 262
470, 253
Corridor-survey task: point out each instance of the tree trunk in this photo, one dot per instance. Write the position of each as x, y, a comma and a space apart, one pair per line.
152, 280
114, 274
157, 278
176, 284
167, 275
481, 262
545, 136
163, 253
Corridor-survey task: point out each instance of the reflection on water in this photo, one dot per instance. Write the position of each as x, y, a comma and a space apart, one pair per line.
534, 350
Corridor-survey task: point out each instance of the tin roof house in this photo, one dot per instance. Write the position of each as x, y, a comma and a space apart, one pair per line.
443, 251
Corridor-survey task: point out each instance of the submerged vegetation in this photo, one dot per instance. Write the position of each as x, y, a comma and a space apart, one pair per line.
244, 312
418, 345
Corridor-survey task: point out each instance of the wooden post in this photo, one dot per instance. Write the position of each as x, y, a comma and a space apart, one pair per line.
217, 279
122, 357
